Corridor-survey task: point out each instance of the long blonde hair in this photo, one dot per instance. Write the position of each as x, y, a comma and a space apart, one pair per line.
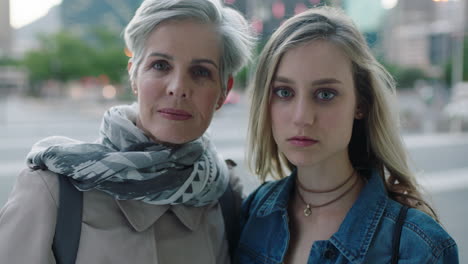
375, 143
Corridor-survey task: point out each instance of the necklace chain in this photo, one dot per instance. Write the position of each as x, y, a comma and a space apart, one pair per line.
308, 209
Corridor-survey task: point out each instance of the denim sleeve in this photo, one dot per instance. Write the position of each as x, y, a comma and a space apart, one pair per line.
449, 255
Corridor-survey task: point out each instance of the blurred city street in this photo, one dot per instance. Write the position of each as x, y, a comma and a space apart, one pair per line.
62, 65
440, 159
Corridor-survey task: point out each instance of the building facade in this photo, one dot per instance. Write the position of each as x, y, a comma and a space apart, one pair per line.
267, 15
421, 33
5, 28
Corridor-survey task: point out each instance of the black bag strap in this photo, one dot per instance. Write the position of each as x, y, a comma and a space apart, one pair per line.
231, 220
68, 226
397, 234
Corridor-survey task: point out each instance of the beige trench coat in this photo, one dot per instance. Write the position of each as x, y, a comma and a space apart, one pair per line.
113, 232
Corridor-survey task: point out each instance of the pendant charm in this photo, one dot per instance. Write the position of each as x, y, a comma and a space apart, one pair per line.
307, 210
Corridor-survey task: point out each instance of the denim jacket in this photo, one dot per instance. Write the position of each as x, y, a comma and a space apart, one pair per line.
365, 235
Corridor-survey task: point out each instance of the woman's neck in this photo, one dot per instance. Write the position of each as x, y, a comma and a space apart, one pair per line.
330, 182
324, 176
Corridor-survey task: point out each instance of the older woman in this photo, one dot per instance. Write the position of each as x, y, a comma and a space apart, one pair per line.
151, 183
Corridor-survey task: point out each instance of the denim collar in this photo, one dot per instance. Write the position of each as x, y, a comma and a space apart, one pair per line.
360, 224
278, 197
355, 234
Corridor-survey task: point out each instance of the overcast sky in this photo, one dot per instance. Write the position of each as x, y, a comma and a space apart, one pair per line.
23, 12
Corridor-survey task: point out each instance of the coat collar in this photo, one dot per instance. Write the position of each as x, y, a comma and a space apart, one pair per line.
357, 230
142, 215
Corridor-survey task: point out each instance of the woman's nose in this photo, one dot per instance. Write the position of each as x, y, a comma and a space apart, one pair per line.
178, 86
303, 114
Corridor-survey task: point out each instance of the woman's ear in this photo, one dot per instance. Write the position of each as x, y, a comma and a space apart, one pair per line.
132, 82
230, 84
360, 112
129, 65
222, 98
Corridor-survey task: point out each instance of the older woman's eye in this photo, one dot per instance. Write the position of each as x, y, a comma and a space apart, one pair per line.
161, 65
326, 95
201, 72
283, 92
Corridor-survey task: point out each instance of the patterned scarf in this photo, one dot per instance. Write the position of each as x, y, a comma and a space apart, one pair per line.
129, 166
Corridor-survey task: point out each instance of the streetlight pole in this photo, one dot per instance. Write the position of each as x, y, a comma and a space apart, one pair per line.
459, 38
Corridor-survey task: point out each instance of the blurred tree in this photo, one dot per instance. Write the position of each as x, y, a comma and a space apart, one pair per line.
405, 77
61, 56
6, 61
109, 59
64, 57
245, 76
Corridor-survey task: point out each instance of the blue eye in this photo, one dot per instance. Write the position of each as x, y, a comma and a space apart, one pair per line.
283, 92
326, 95
161, 66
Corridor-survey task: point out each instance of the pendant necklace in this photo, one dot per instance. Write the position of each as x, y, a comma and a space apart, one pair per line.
308, 209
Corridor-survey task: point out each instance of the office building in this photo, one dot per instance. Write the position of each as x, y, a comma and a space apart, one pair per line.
5, 28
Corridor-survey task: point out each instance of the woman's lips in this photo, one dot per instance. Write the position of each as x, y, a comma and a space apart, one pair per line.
174, 114
300, 141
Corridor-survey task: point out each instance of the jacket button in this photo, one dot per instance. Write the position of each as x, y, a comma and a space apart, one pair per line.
329, 253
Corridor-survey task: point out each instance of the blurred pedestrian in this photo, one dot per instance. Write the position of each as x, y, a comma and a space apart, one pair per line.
322, 112
150, 185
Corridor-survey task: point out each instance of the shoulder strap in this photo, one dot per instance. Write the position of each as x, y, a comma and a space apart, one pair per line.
68, 226
231, 220
397, 234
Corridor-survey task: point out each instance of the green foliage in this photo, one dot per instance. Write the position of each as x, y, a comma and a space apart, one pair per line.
448, 73
64, 56
241, 78
110, 59
6, 61
405, 77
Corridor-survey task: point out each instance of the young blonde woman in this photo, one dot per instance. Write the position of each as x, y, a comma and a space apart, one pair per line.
322, 113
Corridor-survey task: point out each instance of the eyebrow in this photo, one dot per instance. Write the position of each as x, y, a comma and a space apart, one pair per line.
194, 61
197, 61
316, 82
158, 54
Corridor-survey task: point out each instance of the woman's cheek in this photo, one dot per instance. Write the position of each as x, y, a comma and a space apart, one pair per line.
150, 88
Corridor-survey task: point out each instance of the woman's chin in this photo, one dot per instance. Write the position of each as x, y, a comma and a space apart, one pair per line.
172, 139
168, 136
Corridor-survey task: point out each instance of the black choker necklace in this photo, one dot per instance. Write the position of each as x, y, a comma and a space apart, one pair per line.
308, 209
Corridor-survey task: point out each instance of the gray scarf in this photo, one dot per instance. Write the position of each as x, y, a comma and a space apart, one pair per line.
129, 166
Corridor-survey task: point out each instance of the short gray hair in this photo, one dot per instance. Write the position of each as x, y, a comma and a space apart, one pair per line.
237, 38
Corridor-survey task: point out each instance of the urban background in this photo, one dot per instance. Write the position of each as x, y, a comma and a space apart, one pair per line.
62, 66
76, 50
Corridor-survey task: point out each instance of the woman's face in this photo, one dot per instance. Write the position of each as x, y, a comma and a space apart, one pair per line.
178, 82
313, 104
